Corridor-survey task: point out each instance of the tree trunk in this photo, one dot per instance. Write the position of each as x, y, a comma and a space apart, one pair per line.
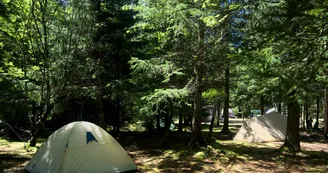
149, 124
306, 111
279, 108
262, 104
45, 85
39, 127
180, 120
35, 136
117, 122
158, 122
185, 119
316, 125
168, 121
102, 122
303, 118
190, 121
225, 129
325, 132
196, 137
219, 113
212, 122
292, 139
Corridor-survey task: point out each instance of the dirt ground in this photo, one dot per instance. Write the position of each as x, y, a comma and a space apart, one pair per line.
226, 156
151, 155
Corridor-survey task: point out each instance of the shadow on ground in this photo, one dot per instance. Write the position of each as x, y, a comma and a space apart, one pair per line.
12, 162
219, 156
269, 158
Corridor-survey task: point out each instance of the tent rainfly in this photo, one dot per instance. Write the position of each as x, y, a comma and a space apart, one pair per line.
266, 128
80, 147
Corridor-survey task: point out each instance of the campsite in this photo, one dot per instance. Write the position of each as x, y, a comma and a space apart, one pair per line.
108, 86
221, 155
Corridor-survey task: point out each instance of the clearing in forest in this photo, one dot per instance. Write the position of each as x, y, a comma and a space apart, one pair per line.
219, 156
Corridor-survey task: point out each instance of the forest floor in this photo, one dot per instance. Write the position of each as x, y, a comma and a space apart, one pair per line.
224, 155
221, 155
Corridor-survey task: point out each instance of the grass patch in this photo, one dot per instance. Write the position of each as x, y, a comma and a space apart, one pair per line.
15, 154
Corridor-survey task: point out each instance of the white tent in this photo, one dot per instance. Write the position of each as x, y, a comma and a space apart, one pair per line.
231, 114
80, 147
266, 128
271, 110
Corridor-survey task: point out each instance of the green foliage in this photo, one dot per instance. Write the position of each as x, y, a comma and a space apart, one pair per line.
157, 101
280, 57
156, 73
155, 68
74, 60
213, 96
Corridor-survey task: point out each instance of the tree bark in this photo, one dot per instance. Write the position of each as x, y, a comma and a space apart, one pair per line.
303, 118
35, 136
185, 119
190, 121
45, 85
279, 108
325, 132
102, 122
196, 137
168, 121
117, 121
212, 122
292, 139
225, 129
306, 111
316, 125
158, 122
149, 124
219, 113
180, 120
39, 127
262, 104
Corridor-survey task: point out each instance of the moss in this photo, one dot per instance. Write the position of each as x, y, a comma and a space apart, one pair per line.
200, 155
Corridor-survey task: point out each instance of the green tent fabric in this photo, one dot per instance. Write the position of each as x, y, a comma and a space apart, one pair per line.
256, 112
80, 147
